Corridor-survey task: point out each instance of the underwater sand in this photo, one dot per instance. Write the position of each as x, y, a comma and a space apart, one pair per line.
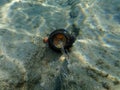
26, 63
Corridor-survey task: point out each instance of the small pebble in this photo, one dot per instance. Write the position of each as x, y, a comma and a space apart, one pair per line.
106, 85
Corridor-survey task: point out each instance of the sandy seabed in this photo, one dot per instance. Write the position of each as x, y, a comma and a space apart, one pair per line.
26, 63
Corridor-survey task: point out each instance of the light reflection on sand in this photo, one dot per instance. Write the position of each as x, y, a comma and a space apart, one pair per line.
94, 39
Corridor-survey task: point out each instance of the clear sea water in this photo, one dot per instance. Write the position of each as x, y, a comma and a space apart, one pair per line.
95, 53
